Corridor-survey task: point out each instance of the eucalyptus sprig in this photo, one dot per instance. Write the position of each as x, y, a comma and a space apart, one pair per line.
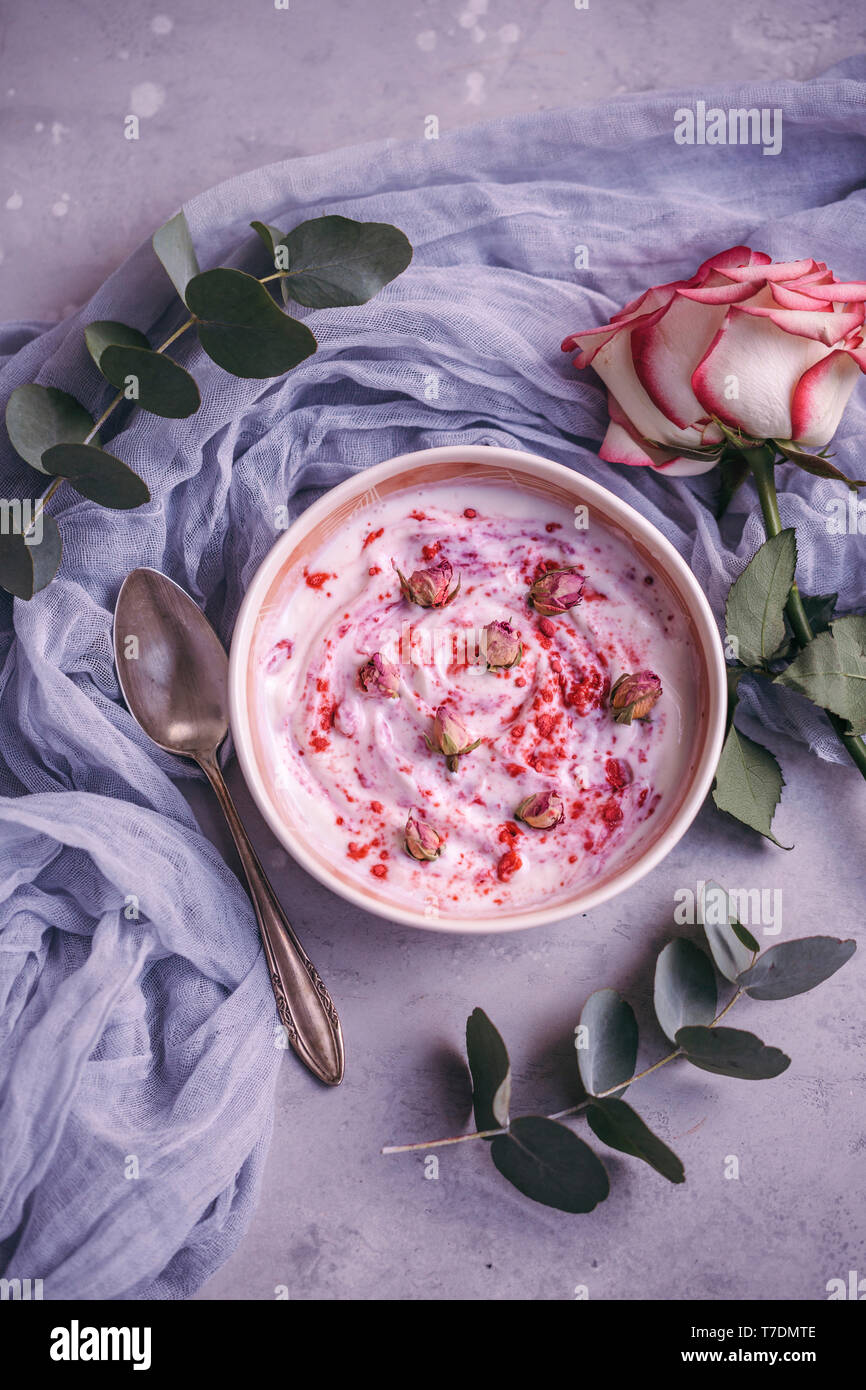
325, 263
794, 640
544, 1158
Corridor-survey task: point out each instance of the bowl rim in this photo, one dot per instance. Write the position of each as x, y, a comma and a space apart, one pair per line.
691, 594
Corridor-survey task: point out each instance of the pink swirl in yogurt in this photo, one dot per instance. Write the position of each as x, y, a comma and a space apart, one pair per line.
352, 766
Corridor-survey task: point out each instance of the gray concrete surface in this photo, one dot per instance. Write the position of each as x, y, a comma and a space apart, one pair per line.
220, 86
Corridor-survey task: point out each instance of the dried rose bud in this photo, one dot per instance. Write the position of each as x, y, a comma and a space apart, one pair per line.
450, 736
632, 697
379, 677
422, 841
429, 588
557, 591
541, 811
502, 645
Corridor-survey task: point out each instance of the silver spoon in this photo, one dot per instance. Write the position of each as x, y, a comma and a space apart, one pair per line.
173, 673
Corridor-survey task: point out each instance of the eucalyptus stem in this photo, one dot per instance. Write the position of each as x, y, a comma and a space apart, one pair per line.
560, 1114
97, 426
761, 461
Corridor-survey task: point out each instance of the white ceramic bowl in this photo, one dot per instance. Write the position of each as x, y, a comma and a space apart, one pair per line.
482, 464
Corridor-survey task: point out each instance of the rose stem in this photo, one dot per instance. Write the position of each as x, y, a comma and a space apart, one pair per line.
761, 462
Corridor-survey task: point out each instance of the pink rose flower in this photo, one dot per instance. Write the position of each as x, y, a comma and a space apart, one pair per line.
557, 591
430, 588
771, 349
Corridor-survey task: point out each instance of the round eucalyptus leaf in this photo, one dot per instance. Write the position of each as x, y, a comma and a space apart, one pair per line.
242, 329
616, 1124
745, 936
97, 475
271, 237
793, 967
491, 1072
685, 987
335, 261
173, 245
105, 333
607, 1049
547, 1162
28, 565
153, 381
729, 950
731, 1052
39, 416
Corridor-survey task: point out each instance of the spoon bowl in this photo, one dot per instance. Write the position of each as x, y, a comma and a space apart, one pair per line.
173, 672
176, 684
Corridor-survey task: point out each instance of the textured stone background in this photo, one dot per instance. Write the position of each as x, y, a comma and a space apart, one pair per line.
225, 85
220, 87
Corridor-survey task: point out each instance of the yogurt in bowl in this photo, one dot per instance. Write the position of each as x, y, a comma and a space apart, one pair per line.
404, 619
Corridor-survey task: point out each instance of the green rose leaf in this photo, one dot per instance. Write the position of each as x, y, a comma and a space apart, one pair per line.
97, 475
817, 464
793, 967
684, 991
748, 783
491, 1072
242, 329
610, 1052
733, 676
731, 1052
731, 952
547, 1162
819, 610
27, 568
616, 1124
709, 453
271, 237
755, 611
173, 245
831, 671
334, 261
154, 381
38, 417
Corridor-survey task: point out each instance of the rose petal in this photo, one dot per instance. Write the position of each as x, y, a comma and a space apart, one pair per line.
603, 335
762, 361
622, 444
827, 328
858, 354
730, 293
820, 397
686, 468
790, 298
664, 354
736, 256
647, 302
776, 270
853, 292
613, 362
710, 432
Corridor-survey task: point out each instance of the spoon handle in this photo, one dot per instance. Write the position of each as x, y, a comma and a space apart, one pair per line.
303, 1002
